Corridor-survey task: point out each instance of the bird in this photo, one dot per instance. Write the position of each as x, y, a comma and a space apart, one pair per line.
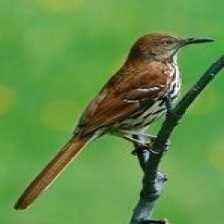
133, 98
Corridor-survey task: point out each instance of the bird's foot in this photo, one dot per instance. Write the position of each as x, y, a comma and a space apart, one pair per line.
147, 144
144, 142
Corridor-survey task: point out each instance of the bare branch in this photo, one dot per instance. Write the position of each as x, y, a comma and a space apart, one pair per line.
153, 180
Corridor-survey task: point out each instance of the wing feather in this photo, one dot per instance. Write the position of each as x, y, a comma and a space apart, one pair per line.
123, 95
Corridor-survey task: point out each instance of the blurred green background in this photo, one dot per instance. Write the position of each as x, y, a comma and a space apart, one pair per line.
54, 56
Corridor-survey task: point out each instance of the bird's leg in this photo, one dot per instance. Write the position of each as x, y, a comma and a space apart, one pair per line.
150, 139
134, 140
141, 141
145, 142
147, 139
128, 136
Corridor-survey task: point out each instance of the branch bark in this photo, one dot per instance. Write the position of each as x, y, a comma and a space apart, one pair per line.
149, 159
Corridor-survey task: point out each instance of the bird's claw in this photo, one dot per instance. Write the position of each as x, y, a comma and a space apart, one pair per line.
144, 147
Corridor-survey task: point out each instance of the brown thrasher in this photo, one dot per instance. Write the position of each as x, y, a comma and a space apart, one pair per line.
130, 101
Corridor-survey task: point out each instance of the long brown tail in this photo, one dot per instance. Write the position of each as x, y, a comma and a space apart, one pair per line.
51, 171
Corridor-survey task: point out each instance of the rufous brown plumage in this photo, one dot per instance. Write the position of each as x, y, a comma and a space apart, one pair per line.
129, 102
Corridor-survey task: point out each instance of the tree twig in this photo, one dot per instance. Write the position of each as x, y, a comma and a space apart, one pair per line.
153, 180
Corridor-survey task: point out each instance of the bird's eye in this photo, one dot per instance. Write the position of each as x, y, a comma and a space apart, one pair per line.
167, 42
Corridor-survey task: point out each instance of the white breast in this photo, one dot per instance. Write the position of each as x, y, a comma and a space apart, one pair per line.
175, 84
156, 110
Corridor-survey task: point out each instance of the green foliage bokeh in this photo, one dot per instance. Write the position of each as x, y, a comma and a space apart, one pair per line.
54, 56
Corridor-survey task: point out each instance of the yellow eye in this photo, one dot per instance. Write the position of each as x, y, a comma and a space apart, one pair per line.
167, 42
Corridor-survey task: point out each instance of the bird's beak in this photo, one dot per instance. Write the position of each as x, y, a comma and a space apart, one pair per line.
193, 40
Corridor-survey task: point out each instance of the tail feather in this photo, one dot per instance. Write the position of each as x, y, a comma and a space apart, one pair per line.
51, 171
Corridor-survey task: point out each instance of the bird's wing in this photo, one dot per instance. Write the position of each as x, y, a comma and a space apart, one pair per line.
145, 93
123, 96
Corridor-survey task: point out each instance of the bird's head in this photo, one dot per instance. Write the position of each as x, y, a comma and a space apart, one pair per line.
160, 46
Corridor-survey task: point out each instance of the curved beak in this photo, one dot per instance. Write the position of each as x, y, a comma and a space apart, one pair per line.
199, 40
